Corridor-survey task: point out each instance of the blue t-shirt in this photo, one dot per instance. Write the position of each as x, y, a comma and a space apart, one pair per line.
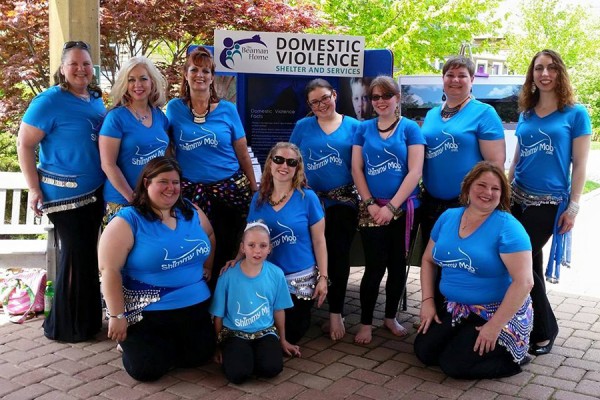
139, 144
248, 303
327, 158
69, 158
545, 149
453, 146
290, 229
205, 151
472, 270
386, 160
171, 258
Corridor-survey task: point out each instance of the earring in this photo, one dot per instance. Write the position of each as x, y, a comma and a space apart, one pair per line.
443, 96
533, 88
397, 111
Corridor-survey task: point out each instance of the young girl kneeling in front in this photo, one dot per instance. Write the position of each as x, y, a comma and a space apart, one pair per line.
248, 306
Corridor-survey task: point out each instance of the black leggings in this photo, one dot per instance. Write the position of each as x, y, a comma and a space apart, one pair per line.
242, 358
167, 339
452, 349
297, 319
340, 228
538, 221
76, 308
384, 248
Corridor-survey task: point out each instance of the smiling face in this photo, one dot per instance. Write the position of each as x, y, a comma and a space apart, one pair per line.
77, 68
139, 84
256, 245
545, 73
322, 102
485, 192
383, 107
199, 77
457, 83
283, 172
163, 190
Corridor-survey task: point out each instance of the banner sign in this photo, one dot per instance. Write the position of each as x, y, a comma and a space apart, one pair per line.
289, 53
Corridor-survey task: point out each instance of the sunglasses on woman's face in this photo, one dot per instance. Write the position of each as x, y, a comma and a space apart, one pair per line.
385, 96
78, 44
291, 162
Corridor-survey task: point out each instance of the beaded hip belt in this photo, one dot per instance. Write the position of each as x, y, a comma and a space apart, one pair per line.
303, 283
227, 333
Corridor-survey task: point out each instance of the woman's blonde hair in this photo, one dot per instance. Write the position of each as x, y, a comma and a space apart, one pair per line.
266, 182
158, 93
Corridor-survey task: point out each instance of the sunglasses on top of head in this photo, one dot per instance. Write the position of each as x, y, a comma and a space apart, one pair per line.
291, 162
79, 44
385, 96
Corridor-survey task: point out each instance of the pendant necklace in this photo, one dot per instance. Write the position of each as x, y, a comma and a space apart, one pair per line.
200, 118
139, 117
449, 112
278, 202
389, 128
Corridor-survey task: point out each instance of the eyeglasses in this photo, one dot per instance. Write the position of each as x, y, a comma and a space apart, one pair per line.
317, 103
385, 96
291, 162
78, 44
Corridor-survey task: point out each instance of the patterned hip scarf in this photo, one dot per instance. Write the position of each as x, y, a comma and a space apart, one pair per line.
346, 194
303, 283
234, 192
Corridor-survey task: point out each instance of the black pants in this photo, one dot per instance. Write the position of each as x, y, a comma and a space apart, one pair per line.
384, 248
340, 228
452, 349
76, 313
167, 339
242, 358
538, 221
297, 319
431, 209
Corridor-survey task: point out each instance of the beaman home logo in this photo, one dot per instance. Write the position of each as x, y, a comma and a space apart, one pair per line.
235, 50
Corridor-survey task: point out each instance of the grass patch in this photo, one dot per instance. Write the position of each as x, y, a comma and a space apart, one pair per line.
589, 186
595, 146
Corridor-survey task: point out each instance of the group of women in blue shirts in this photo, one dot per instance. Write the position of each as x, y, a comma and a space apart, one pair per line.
335, 174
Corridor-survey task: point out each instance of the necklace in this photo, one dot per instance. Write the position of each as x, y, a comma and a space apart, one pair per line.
278, 202
449, 112
200, 118
139, 117
389, 128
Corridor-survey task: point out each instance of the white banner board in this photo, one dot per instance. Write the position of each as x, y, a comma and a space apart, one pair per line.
289, 53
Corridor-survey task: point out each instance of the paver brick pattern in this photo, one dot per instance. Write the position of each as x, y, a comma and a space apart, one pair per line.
32, 366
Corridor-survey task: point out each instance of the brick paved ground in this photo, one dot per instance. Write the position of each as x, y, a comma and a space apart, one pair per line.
32, 366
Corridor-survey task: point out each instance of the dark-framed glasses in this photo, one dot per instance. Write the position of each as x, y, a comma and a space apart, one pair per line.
78, 44
385, 96
317, 103
291, 162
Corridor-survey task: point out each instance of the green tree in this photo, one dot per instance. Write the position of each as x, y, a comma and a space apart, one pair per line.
417, 32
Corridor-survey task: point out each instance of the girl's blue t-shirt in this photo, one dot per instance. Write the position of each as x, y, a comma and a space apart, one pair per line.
546, 148
453, 146
472, 270
205, 151
139, 144
327, 158
170, 258
386, 160
290, 229
248, 303
69, 154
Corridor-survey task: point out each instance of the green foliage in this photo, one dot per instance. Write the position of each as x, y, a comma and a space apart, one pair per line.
8, 152
417, 32
590, 186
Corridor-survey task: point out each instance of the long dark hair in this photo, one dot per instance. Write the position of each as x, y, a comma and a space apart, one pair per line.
141, 200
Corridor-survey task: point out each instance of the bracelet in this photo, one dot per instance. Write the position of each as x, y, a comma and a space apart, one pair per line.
573, 209
393, 209
324, 277
369, 202
118, 316
426, 298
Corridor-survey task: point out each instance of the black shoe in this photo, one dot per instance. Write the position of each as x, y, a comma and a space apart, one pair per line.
540, 350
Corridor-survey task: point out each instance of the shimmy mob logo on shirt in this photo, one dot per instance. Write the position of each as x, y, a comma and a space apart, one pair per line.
317, 161
200, 248
249, 317
144, 158
205, 138
448, 143
533, 145
462, 261
391, 163
285, 237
